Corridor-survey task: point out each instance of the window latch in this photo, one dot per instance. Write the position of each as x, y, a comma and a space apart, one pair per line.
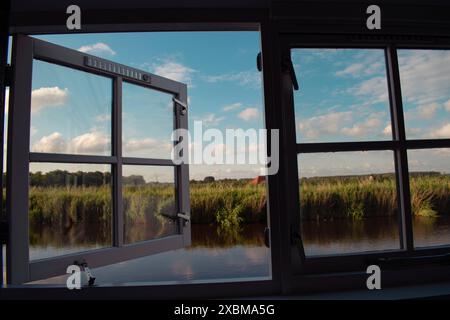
184, 217
183, 106
86, 272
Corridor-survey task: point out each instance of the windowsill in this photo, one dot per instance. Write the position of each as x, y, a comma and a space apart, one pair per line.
426, 291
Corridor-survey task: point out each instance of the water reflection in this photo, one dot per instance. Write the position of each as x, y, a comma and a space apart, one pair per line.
342, 236
218, 255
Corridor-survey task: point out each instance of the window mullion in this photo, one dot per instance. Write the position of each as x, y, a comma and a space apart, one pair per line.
401, 158
118, 219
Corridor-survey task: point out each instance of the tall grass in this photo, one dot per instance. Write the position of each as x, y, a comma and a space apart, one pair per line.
232, 203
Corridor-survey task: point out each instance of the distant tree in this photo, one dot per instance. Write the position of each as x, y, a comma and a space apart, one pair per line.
133, 180
209, 179
63, 178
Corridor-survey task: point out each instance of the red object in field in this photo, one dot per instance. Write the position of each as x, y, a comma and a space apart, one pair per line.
258, 180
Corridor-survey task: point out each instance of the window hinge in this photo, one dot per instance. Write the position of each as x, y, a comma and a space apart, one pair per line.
259, 62
8, 75
288, 66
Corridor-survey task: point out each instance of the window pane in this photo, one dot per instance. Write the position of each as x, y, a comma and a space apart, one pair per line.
430, 196
425, 82
148, 122
148, 202
348, 202
70, 111
343, 95
70, 208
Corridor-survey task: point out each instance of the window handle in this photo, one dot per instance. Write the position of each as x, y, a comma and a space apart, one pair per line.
182, 105
185, 217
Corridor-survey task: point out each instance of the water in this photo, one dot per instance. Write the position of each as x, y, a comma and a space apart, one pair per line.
219, 255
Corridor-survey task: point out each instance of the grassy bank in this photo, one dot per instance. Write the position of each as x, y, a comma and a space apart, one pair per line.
231, 203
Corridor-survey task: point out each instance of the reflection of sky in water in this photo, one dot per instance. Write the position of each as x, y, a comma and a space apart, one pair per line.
185, 265
253, 260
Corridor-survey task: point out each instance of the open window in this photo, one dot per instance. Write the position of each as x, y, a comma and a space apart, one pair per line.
76, 122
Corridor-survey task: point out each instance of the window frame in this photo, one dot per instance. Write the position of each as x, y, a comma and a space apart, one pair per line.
20, 268
302, 265
282, 280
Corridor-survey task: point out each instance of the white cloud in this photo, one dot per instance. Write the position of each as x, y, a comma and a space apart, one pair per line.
353, 70
48, 97
447, 105
425, 75
244, 78
233, 106
387, 131
373, 90
249, 114
53, 143
104, 117
364, 64
324, 124
442, 132
175, 71
428, 111
362, 129
97, 48
210, 120
90, 142
139, 144
339, 123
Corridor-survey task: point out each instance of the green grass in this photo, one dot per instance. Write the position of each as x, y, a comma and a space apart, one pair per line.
229, 204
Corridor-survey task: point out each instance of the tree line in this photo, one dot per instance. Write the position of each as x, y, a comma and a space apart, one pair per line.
64, 178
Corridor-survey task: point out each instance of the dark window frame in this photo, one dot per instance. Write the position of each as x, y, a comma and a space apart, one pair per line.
283, 280
351, 262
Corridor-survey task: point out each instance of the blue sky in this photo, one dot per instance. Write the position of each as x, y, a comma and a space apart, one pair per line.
343, 96
224, 90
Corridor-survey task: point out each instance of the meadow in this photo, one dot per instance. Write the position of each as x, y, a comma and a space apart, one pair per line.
232, 203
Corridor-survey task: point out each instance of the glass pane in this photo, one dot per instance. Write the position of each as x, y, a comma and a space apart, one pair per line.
228, 215
425, 82
348, 202
430, 196
70, 208
148, 122
343, 95
148, 202
70, 111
